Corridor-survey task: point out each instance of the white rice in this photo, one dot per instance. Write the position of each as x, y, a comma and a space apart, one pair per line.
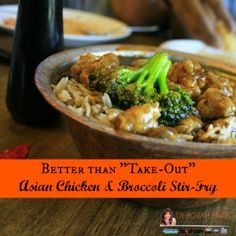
61, 85
221, 133
84, 102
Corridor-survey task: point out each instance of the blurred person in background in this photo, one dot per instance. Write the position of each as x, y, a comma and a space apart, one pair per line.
187, 18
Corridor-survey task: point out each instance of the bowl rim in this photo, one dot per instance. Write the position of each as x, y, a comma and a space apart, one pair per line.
46, 68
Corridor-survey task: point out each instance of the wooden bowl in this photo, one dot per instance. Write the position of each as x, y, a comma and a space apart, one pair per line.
98, 141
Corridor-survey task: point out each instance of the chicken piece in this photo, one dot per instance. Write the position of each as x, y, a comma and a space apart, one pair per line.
81, 65
216, 81
188, 75
138, 119
88, 64
163, 132
215, 104
189, 125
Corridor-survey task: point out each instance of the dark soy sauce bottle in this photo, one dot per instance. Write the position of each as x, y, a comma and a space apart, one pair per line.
38, 34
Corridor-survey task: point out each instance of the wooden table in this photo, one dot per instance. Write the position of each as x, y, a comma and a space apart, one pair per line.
83, 216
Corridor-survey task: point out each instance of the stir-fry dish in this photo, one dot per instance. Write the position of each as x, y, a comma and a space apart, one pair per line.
177, 101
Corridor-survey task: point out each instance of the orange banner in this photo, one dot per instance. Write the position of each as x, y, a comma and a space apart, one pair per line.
120, 178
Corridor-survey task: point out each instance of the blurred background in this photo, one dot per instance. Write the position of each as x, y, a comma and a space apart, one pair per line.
102, 6
231, 5
172, 28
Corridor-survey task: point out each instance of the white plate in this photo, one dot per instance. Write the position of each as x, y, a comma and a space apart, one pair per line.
200, 48
12, 9
3, 17
95, 28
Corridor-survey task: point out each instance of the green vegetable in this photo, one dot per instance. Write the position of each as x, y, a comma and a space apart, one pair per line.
175, 106
128, 87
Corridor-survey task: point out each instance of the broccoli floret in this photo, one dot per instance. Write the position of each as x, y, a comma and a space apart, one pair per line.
175, 106
128, 87
138, 87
